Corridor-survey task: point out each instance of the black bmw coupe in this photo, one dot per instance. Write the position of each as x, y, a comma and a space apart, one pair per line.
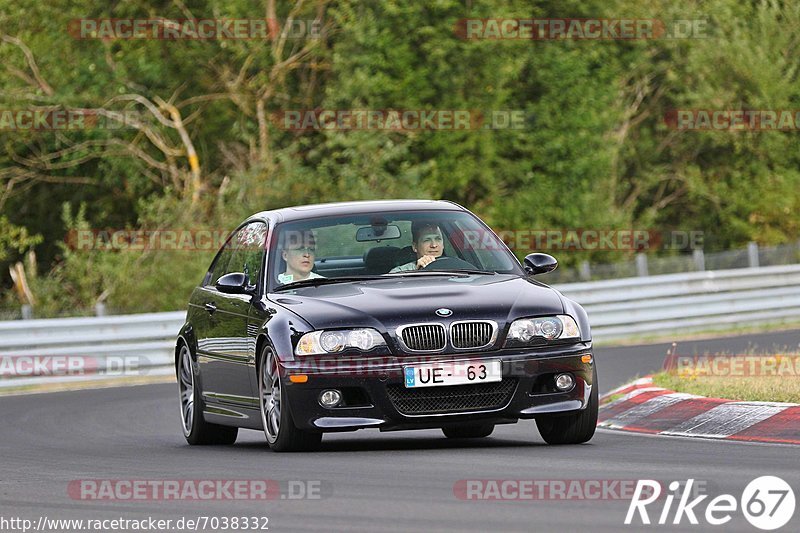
392, 315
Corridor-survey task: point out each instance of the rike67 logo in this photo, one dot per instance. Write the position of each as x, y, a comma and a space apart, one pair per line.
767, 503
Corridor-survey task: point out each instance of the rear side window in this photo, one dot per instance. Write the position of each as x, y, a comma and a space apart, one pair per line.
248, 251
242, 253
220, 264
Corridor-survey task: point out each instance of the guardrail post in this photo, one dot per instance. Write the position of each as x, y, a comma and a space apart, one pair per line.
27, 312
699, 259
100, 309
641, 264
585, 271
752, 254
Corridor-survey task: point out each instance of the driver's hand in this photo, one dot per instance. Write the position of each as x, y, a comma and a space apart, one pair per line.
424, 261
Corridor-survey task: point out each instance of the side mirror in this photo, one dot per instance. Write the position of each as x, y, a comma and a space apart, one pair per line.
540, 263
233, 283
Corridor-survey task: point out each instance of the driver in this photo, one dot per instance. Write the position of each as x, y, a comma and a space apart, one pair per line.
427, 242
299, 253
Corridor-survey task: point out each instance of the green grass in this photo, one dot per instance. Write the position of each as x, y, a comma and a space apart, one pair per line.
743, 388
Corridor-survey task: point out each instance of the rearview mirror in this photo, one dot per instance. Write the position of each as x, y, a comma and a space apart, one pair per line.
540, 263
377, 233
233, 283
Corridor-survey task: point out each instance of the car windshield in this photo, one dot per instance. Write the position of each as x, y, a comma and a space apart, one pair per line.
390, 244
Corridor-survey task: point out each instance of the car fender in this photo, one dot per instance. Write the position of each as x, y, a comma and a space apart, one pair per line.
281, 329
186, 335
577, 312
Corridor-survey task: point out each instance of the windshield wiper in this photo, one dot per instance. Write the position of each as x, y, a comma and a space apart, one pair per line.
313, 282
470, 271
448, 272
420, 273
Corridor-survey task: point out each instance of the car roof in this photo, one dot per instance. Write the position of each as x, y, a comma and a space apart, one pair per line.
302, 212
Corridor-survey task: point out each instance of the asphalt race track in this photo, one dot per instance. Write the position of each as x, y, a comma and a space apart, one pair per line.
367, 480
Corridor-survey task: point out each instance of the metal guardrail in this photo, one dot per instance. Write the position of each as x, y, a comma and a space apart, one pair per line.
74, 349
678, 303
619, 308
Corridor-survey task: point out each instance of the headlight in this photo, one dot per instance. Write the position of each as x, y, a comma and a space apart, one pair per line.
525, 330
333, 341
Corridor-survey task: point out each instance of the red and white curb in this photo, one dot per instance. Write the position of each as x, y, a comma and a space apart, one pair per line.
644, 408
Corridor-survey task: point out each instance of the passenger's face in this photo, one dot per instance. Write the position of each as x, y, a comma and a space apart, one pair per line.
299, 258
430, 242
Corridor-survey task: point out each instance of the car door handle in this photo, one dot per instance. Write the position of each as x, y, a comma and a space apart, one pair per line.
210, 307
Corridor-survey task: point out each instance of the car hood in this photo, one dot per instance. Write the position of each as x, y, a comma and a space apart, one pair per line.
386, 304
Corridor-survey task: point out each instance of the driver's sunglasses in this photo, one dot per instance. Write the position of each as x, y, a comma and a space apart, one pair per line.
304, 250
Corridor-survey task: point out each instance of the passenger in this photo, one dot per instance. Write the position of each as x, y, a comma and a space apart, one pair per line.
299, 256
427, 242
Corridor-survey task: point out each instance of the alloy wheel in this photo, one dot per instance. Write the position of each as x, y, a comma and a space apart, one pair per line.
271, 397
186, 389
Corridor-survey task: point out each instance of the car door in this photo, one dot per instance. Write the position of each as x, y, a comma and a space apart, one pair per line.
225, 354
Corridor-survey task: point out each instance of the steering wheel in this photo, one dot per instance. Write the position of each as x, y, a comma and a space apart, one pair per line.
449, 263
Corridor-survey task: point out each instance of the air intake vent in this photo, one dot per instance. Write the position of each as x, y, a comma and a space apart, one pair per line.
453, 399
422, 337
475, 334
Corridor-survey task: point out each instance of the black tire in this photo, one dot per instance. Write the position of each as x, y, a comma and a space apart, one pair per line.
471, 431
195, 428
279, 428
573, 428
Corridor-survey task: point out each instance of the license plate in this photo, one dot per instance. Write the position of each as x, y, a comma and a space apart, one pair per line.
444, 374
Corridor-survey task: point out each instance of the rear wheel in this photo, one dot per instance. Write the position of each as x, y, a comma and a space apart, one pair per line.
282, 435
471, 431
195, 429
573, 428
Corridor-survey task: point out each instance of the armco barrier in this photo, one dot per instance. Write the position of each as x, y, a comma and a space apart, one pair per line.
620, 308
146, 341
677, 303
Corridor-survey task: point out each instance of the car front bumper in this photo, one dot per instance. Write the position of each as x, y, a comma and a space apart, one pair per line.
525, 393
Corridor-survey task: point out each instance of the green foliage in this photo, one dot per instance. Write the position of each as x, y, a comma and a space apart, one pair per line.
595, 152
15, 238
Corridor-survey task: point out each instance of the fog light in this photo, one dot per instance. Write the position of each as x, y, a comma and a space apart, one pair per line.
564, 382
330, 398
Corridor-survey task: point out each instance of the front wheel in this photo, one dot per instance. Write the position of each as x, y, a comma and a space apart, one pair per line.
195, 429
282, 435
573, 428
